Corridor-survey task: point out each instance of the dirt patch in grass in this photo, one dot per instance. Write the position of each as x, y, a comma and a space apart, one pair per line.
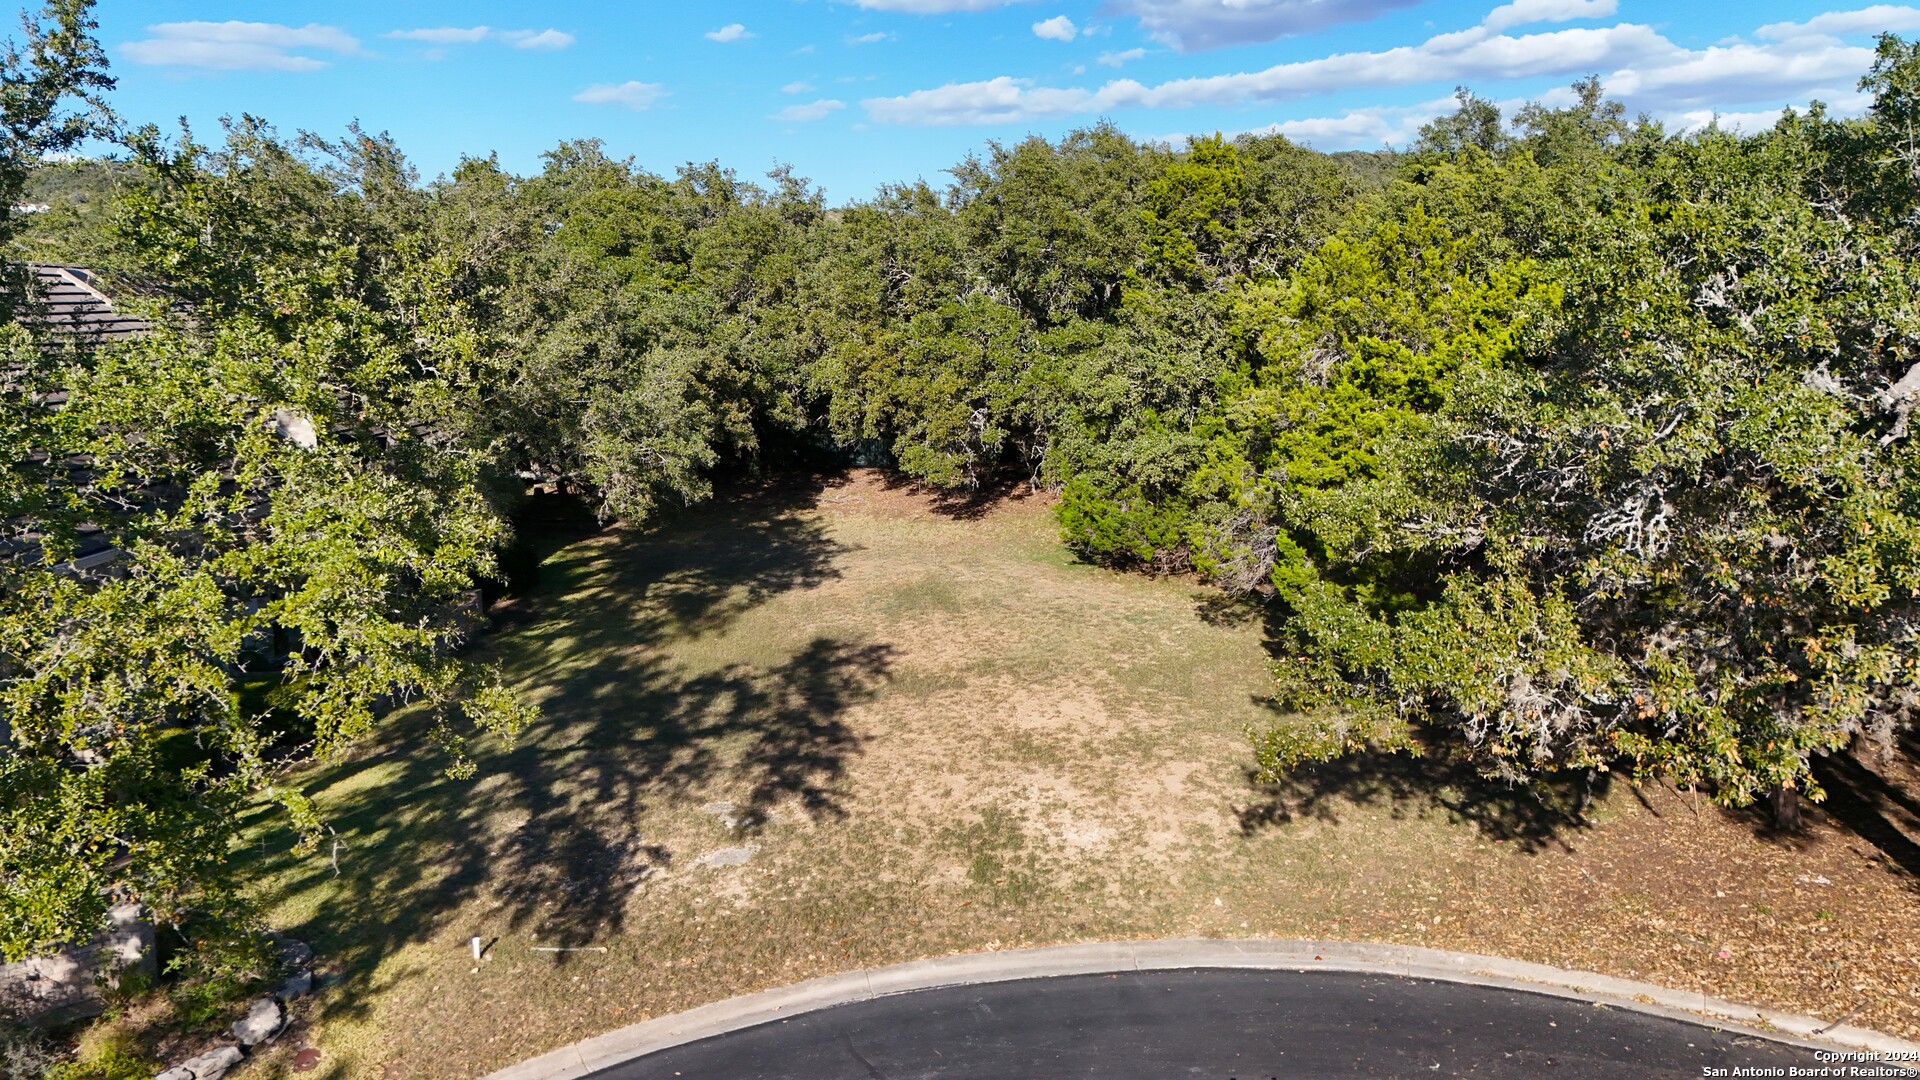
822, 726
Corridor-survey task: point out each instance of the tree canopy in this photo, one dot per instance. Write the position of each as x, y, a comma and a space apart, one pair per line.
1579, 443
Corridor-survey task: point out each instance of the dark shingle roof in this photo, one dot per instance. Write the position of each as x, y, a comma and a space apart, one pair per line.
72, 306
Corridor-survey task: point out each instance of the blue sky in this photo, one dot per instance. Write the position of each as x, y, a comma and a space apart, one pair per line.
856, 93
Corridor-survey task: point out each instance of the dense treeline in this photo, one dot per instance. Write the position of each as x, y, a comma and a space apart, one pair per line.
1579, 439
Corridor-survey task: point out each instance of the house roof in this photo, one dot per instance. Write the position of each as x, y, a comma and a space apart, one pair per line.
72, 306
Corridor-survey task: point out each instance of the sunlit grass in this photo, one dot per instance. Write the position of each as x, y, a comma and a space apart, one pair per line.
934, 734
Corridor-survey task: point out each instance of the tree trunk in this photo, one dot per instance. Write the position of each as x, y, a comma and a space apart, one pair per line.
1590, 777
1785, 804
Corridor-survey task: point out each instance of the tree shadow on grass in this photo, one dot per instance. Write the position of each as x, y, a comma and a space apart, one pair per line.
1534, 817
1861, 800
967, 503
546, 840
1233, 611
1257, 607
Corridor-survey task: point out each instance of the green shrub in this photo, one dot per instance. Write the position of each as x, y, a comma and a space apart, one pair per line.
113, 1058
26, 1053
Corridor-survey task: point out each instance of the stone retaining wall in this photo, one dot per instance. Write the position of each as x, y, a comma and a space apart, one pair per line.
69, 985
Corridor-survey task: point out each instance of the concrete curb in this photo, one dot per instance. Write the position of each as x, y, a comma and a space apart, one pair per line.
637, 1040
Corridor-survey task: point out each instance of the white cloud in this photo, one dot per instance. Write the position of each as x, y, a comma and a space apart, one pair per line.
1058, 28
1356, 128
728, 33
993, 101
469, 35
638, 96
1637, 64
869, 39
1871, 20
443, 35
1371, 127
1843, 103
240, 46
1521, 12
798, 87
1116, 59
1698, 119
1198, 25
1735, 74
545, 39
1472, 54
813, 110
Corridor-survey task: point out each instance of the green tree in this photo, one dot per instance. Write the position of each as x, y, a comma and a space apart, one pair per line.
1475, 125
1678, 529
291, 526
1056, 228
596, 334
1193, 213
52, 99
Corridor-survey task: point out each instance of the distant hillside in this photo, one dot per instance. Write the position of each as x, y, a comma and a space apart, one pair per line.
1373, 168
72, 230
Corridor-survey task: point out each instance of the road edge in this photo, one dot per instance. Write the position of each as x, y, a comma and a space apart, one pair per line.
584, 1058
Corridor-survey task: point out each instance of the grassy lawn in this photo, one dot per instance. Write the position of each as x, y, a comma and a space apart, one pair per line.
812, 729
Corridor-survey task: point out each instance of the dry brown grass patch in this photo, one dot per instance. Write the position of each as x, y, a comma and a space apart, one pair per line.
938, 733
